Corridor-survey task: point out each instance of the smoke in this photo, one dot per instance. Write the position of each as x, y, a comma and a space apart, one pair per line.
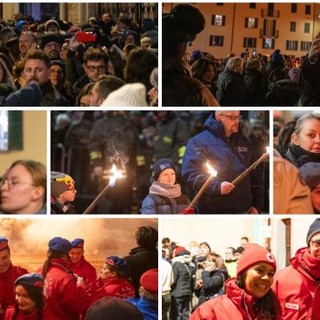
116, 156
28, 238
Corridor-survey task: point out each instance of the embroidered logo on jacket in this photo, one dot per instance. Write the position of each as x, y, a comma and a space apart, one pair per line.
243, 149
292, 306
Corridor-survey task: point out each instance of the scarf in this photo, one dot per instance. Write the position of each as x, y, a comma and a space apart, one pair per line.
298, 152
165, 190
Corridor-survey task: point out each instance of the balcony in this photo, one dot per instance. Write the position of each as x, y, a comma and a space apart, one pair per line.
270, 13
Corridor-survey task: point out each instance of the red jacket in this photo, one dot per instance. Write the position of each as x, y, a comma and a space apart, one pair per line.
64, 299
113, 287
7, 280
85, 270
298, 287
235, 305
20, 316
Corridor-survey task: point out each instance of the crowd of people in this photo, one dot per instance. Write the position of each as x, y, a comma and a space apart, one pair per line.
170, 147
68, 286
109, 61
198, 284
297, 165
239, 79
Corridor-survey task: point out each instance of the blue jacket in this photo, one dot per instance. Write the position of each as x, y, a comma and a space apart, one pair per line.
147, 307
230, 158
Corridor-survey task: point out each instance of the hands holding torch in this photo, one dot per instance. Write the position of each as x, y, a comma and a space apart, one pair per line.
116, 174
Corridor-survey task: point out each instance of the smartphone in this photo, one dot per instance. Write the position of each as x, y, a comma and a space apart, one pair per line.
254, 53
86, 37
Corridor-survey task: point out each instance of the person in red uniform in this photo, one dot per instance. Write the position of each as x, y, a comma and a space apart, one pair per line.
64, 292
29, 298
249, 296
113, 280
8, 275
297, 286
81, 267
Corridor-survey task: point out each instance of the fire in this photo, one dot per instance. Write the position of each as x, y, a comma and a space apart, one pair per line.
116, 174
211, 170
268, 149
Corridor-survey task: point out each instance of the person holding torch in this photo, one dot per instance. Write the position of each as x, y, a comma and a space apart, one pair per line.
231, 154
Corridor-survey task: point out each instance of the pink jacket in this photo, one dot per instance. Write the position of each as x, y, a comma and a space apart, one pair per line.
298, 287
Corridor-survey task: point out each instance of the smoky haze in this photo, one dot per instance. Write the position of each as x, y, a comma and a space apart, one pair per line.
28, 238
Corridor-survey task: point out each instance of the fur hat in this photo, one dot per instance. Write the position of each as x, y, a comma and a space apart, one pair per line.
252, 254
3, 243
31, 279
129, 95
60, 182
161, 165
59, 245
113, 308
310, 172
313, 229
149, 280
77, 243
50, 37
51, 21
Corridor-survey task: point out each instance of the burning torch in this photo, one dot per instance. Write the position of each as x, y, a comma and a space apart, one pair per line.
116, 174
213, 173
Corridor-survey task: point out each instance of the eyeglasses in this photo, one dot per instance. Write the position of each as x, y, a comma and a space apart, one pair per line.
98, 68
11, 183
316, 243
232, 118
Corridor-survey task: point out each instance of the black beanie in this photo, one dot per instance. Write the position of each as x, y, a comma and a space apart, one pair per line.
313, 229
161, 165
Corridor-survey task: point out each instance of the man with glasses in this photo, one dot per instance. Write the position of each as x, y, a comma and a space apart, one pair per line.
229, 153
297, 286
37, 69
51, 45
8, 275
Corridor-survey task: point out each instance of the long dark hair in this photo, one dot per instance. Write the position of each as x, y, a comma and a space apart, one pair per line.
36, 295
47, 263
266, 307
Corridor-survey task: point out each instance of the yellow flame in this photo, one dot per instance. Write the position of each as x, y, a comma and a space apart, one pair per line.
116, 174
211, 170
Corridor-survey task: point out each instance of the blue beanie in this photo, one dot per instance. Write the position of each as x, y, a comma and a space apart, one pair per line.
60, 245
161, 165
118, 264
20, 23
31, 279
310, 172
77, 243
277, 57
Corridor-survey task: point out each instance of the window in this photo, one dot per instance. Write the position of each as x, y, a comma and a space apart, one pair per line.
268, 43
294, 7
252, 5
220, 4
293, 26
251, 23
305, 45
218, 20
249, 42
308, 9
292, 45
307, 27
216, 41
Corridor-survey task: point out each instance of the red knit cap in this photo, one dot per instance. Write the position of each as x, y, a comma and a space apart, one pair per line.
149, 280
252, 254
178, 250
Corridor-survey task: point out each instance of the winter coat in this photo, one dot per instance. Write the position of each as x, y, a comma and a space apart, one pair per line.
298, 287
256, 87
7, 279
179, 89
213, 283
52, 97
235, 305
57, 206
30, 95
229, 158
164, 198
141, 260
10, 313
64, 299
183, 272
310, 83
113, 287
232, 89
87, 271
147, 307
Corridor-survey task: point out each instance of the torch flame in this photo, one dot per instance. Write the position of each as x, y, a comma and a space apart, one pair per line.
268, 149
211, 170
116, 175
